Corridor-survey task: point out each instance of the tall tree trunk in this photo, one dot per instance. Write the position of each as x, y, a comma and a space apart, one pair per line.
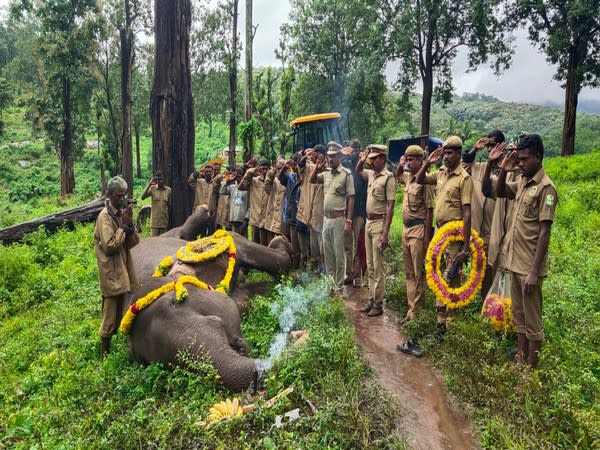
171, 105
426, 69
100, 160
233, 86
138, 165
67, 177
249, 42
126, 35
571, 97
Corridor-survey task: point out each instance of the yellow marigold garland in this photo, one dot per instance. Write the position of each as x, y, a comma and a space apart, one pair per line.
463, 295
220, 242
181, 293
497, 312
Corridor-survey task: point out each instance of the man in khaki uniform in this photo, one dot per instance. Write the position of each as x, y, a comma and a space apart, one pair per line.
254, 182
526, 247
381, 196
315, 223
482, 206
454, 189
338, 203
417, 216
114, 236
161, 199
199, 181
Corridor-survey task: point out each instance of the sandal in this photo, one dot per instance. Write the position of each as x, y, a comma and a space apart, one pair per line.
410, 348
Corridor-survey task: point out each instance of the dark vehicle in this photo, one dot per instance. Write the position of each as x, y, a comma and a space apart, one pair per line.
316, 129
397, 146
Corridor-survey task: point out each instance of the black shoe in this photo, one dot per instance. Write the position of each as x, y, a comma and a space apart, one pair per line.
376, 310
348, 280
439, 333
410, 348
367, 308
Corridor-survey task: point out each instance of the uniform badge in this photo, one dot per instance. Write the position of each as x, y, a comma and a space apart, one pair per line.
533, 190
549, 199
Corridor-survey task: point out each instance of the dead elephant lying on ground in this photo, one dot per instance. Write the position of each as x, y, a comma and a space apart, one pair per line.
207, 321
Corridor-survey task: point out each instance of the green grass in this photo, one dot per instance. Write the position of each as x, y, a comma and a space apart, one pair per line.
556, 406
54, 392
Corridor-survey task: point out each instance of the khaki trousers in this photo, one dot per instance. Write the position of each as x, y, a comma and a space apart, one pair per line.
300, 245
333, 249
373, 231
413, 255
351, 248
316, 249
158, 231
527, 308
113, 309
444, 314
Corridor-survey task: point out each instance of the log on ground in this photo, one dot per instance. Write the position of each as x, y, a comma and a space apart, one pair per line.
52, 222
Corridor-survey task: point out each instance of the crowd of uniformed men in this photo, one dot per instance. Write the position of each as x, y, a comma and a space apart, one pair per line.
335, 204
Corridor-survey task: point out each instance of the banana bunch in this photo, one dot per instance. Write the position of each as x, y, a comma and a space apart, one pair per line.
227, 409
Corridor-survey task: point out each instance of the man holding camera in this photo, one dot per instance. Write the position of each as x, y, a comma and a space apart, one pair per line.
161, 199
114, 237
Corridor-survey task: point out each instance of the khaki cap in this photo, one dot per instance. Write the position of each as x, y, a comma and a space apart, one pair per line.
414, 150
453, 142
333, 148
375, 150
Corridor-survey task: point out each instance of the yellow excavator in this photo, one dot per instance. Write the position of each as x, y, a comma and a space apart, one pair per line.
309, 131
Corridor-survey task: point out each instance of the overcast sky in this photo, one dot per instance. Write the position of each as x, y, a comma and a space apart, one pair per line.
529, 80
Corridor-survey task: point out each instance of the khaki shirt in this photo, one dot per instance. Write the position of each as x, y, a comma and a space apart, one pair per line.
116, 272
201, 191
482, 207
160, 206
257, 199
316, 214
306, 193
453, 191
417, 199
381, 188
338, 184
535, 202
274, 209
222, 217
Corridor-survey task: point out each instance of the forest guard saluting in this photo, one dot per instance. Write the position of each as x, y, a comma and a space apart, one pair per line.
525, 248
454, 188
114, 236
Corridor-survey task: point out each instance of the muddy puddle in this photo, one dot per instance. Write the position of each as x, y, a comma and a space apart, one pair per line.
430, 421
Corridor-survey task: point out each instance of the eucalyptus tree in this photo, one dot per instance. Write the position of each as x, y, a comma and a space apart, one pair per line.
426, 35
568, 31
171, 104
66, 42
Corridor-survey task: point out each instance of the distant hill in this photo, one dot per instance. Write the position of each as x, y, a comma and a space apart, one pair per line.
475, 114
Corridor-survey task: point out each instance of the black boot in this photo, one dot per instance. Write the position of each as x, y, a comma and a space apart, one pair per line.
367, 308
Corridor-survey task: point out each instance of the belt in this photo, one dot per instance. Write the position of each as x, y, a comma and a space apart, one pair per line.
335, 214
375, 216
413, 222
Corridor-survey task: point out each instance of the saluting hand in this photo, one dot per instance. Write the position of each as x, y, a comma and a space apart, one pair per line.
436, 155
497, 152
509, 164
481, 143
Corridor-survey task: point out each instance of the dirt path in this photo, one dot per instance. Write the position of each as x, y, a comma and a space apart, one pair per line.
430, 421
